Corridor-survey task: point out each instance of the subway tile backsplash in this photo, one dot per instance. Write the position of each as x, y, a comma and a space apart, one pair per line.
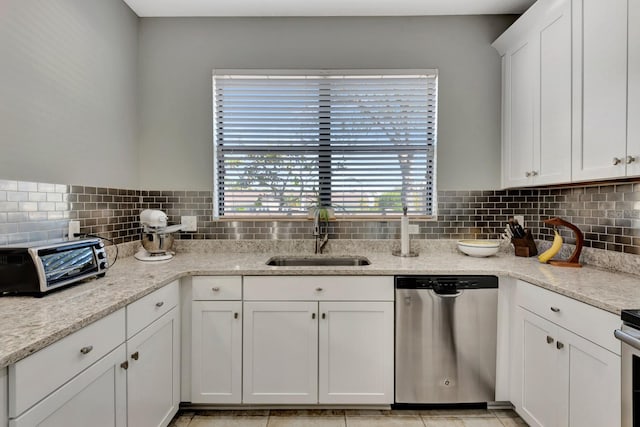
608, 214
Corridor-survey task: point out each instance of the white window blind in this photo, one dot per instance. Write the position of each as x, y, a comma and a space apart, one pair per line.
363, 144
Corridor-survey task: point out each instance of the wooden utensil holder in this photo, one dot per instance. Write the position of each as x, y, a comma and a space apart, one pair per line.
525, 246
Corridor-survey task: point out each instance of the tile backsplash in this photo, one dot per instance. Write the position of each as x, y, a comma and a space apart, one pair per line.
607, 213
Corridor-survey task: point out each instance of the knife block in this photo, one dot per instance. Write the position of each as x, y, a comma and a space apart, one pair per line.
525, 246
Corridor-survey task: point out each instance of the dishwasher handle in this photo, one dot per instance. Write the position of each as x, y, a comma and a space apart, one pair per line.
453, 295
627, 338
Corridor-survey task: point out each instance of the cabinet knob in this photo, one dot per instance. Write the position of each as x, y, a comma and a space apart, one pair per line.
319, 289
313, 315
555, 309
160, 304
534, 173
559, 345
630, 159
549, 340
324, 315
125, 365
616, 161
215, 289
235, 315
135, 356
527, 174
86, 350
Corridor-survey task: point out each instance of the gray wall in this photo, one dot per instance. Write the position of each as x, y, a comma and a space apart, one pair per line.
177, 56
68, 77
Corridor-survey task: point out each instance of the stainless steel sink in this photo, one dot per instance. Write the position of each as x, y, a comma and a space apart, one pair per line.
310, 261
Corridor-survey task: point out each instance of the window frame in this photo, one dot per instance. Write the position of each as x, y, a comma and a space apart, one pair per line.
275, 73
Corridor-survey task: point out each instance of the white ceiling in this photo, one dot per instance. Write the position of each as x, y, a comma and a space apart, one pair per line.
151, 8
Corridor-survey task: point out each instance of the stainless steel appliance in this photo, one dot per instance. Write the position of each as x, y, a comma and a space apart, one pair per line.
38, 269
446, 331
629, 334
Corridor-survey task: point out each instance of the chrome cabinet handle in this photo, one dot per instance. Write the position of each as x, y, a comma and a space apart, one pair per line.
160, 304
630, 159
215, 289
549, 340
135, 356
319, 289
86, 350
555, 309
616, 161
559, 345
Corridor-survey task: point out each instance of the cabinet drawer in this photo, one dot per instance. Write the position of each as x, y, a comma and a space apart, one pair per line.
36, 376
592, 323
149, 308
318, 288
209, 288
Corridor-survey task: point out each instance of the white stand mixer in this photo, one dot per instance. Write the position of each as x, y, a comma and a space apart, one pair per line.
156, 236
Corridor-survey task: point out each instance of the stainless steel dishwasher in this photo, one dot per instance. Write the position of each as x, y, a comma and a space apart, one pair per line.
446, 328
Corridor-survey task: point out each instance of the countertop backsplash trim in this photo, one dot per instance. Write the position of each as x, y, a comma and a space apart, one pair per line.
607, 213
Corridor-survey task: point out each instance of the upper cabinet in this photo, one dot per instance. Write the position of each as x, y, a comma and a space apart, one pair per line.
537, 96
600, 145
571, 91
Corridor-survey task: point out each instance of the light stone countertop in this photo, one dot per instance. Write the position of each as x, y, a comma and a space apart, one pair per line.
30, 324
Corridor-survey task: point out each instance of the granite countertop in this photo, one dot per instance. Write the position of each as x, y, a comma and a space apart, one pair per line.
30, 324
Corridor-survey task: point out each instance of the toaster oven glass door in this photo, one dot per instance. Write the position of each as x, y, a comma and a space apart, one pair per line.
64, 265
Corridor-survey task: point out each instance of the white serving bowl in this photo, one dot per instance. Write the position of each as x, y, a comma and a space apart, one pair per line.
479, 248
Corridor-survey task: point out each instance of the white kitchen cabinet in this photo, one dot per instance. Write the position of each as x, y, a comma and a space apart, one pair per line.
560, 378
536, 146
356, 352
216, 352
601, 149
4, 398
153, 374
280, 354
633, 107
318, 339
96, 397
153, 392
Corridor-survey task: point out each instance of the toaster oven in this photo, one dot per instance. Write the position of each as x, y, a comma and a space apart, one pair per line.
38, 269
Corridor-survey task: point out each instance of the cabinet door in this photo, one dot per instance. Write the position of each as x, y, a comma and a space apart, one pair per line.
216, 352
633, 113
96, 397
518, 115
280, 352
600, 89
541, 395
356, 352
592, 376
552, 141
153, 382
4, 398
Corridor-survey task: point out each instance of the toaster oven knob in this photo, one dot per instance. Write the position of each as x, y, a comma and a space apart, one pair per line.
100, 255
103, 265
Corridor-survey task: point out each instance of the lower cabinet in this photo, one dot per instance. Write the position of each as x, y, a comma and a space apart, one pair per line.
216, 352
96, 397
306, 352
566, 380
153, 374
280, 352
4, 398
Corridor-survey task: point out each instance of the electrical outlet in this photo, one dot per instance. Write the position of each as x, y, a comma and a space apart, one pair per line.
520, 219
414, 229
189, 223
74, 228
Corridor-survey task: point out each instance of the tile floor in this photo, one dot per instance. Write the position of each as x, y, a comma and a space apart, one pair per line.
349, 418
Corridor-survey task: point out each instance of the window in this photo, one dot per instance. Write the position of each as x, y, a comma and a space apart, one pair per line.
360, 142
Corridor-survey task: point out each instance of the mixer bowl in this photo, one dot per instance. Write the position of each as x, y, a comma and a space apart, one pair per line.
157, 242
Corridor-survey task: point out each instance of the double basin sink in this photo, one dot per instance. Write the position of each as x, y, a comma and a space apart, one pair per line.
318, 261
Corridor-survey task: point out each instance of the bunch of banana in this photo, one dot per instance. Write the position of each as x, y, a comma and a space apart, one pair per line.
553, 250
